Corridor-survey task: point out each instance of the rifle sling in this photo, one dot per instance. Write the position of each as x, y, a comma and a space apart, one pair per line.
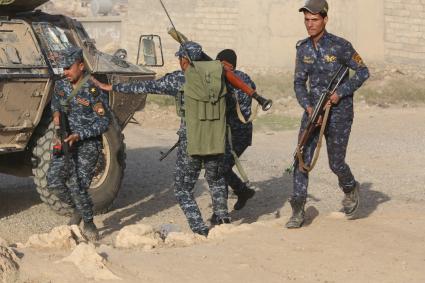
235, 157
240, 115
76, 90
301, 165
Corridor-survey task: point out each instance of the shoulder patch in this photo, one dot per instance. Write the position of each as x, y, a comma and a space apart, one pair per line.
99, 109
356, 58
301, 42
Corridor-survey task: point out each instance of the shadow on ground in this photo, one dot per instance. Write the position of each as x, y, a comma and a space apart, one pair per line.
370, 200
146, 190
268, 200
16, 195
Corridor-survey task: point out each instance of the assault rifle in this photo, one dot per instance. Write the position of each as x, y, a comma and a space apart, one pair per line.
61, 131
164, 155
231, 77
321, 111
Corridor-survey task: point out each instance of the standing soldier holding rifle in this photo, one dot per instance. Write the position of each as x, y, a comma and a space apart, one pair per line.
319, 58
80, 119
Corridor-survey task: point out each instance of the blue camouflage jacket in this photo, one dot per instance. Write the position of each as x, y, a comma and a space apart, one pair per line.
317, 66
169, 84
87, 111
238, 128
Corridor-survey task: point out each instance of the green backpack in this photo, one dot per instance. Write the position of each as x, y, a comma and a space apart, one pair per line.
205, 108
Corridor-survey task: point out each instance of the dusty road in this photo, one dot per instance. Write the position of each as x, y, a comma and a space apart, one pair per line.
386, 243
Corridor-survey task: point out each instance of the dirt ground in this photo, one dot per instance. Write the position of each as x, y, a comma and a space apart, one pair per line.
385, 243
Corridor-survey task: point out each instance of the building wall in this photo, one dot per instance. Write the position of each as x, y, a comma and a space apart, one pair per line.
264, 33
405, 31
106, 31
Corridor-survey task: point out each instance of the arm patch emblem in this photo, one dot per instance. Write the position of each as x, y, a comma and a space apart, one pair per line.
356, 58
99, 109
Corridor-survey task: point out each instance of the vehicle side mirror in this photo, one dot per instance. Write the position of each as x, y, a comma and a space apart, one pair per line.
150, 47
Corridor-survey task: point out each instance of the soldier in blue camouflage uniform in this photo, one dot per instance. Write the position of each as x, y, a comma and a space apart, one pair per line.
241, 132
187, 168
87, 120
318, 58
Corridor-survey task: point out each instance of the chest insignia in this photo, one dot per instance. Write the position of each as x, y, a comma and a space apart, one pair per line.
330, 58
61, 93
99, 109
308, 60
93, 91
83, 101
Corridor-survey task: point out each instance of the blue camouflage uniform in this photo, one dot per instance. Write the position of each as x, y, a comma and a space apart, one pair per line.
187, 168
318, 66
87, 114
241, 132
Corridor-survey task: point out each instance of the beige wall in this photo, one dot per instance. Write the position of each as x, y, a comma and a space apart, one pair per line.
105, 30
264, 33
405, 31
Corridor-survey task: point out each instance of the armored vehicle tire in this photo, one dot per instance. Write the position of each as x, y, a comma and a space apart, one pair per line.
109, 171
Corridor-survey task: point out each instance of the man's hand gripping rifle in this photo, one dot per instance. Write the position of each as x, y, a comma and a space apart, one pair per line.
317, 119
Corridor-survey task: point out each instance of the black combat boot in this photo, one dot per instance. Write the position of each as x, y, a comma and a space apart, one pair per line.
298, 213
90, 231
243, 196
351, 202
75, 218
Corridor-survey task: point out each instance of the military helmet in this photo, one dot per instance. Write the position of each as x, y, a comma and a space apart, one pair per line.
315, 6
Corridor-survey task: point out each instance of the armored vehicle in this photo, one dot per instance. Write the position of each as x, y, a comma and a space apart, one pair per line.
30, 42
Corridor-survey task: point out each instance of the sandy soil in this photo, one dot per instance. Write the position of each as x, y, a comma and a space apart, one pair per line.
386, 243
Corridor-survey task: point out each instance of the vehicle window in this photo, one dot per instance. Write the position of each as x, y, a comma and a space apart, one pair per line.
53, 40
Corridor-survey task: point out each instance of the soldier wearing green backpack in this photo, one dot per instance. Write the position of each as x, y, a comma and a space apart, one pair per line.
202, 131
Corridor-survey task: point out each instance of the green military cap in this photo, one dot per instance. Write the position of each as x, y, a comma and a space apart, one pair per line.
315, 6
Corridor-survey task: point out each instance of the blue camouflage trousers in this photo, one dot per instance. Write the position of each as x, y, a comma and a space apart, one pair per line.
186, 174
71, 181
240, 143
337, 135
